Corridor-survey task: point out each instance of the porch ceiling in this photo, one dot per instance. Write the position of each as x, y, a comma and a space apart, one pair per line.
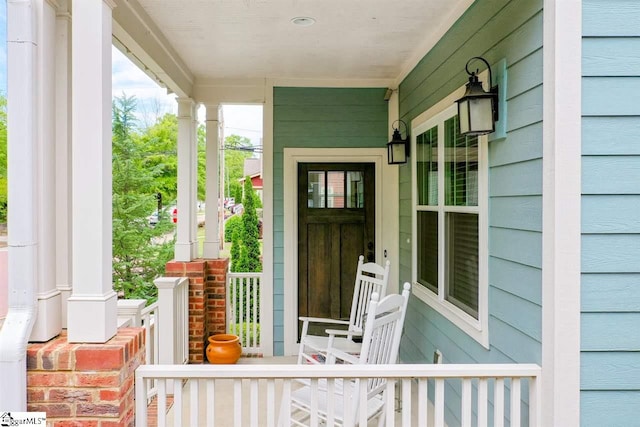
213, 40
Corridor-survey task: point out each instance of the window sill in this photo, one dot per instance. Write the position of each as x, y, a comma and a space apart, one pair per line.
469, 325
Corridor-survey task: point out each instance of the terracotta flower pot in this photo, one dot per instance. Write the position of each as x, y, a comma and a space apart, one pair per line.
224, 348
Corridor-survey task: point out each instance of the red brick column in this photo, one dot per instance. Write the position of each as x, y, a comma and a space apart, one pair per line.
85, 385
207, 300
216, 293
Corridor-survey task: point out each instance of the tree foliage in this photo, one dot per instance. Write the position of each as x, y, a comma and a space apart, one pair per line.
234, 157
250, 250
140, 251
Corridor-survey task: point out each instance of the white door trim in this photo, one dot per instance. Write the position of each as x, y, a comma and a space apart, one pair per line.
386, 219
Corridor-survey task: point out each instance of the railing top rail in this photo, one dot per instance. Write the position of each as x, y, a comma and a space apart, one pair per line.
149, 308
340, 371
243, 275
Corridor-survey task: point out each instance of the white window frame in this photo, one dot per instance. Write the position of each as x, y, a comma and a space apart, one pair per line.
475, 328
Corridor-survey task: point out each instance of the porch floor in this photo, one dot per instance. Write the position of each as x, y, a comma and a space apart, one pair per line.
224, 397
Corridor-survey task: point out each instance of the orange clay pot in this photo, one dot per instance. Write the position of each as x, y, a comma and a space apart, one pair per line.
224, 348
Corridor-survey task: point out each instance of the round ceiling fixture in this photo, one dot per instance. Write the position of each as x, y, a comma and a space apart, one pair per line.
303, 21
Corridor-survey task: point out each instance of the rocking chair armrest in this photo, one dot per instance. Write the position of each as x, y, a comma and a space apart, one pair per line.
334, 354
343, 332
322, 320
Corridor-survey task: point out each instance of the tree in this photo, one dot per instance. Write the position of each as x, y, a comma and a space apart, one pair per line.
160, 159
250, 250
140, 251
236, 150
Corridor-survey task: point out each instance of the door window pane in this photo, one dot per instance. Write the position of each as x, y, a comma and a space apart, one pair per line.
335, 186
355, 189
315, 198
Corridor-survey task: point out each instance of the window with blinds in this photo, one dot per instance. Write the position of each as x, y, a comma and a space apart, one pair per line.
447, 214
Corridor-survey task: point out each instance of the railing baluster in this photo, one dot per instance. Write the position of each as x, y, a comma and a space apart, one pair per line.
498, 403
194, 400
466, 403
162, 403
211, 399
390, 396
406, 403
423, 407
331, 401
362, 406
515, 402
271, 403
439, 402
177, 403
237, 402
483, 402
254, 402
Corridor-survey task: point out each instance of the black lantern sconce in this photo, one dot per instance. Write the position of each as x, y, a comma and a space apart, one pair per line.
478, 109
398, 148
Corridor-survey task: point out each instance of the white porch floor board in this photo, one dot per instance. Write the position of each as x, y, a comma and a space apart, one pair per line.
224, 400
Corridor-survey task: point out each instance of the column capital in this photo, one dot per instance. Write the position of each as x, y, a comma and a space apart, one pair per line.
213, 112
185, 107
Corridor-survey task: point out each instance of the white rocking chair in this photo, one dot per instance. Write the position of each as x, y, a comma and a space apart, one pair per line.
370, 278
380, 345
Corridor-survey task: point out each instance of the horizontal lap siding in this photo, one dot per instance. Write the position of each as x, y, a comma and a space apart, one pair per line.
494, 30
317, 118
610, 294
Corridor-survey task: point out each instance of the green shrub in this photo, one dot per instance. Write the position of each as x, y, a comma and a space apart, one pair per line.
245, 332
230, 226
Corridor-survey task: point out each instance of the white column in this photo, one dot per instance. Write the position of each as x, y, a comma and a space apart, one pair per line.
211, 247
194, 182
23, 199
63, 155
91, 308
48, 321
185, 240
561, 220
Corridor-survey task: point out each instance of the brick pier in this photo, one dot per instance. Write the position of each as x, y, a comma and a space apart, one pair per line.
207, 300
85, 385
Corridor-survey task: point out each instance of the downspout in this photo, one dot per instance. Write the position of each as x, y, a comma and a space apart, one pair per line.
22, 175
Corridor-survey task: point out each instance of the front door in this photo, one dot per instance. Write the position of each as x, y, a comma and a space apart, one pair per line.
336, 224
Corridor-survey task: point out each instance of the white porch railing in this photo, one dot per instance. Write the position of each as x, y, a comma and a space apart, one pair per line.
251, 395
133, 313
243, 310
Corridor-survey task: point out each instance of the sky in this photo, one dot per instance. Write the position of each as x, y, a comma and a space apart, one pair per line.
153, 101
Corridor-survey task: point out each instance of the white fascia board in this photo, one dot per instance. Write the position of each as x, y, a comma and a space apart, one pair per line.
138, 37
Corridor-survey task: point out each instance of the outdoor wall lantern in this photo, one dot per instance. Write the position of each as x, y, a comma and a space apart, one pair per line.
398, 148
478, 109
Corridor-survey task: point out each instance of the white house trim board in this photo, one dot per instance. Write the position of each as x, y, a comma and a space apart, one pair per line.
561, 219
386, 188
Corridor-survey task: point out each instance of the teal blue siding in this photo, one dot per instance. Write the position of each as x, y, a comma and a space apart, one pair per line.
317, 118
496, 30
610, 290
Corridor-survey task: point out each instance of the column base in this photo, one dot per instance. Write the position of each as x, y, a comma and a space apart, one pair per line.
211, 250
92, 319
48, 322
184, 251
65, 294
